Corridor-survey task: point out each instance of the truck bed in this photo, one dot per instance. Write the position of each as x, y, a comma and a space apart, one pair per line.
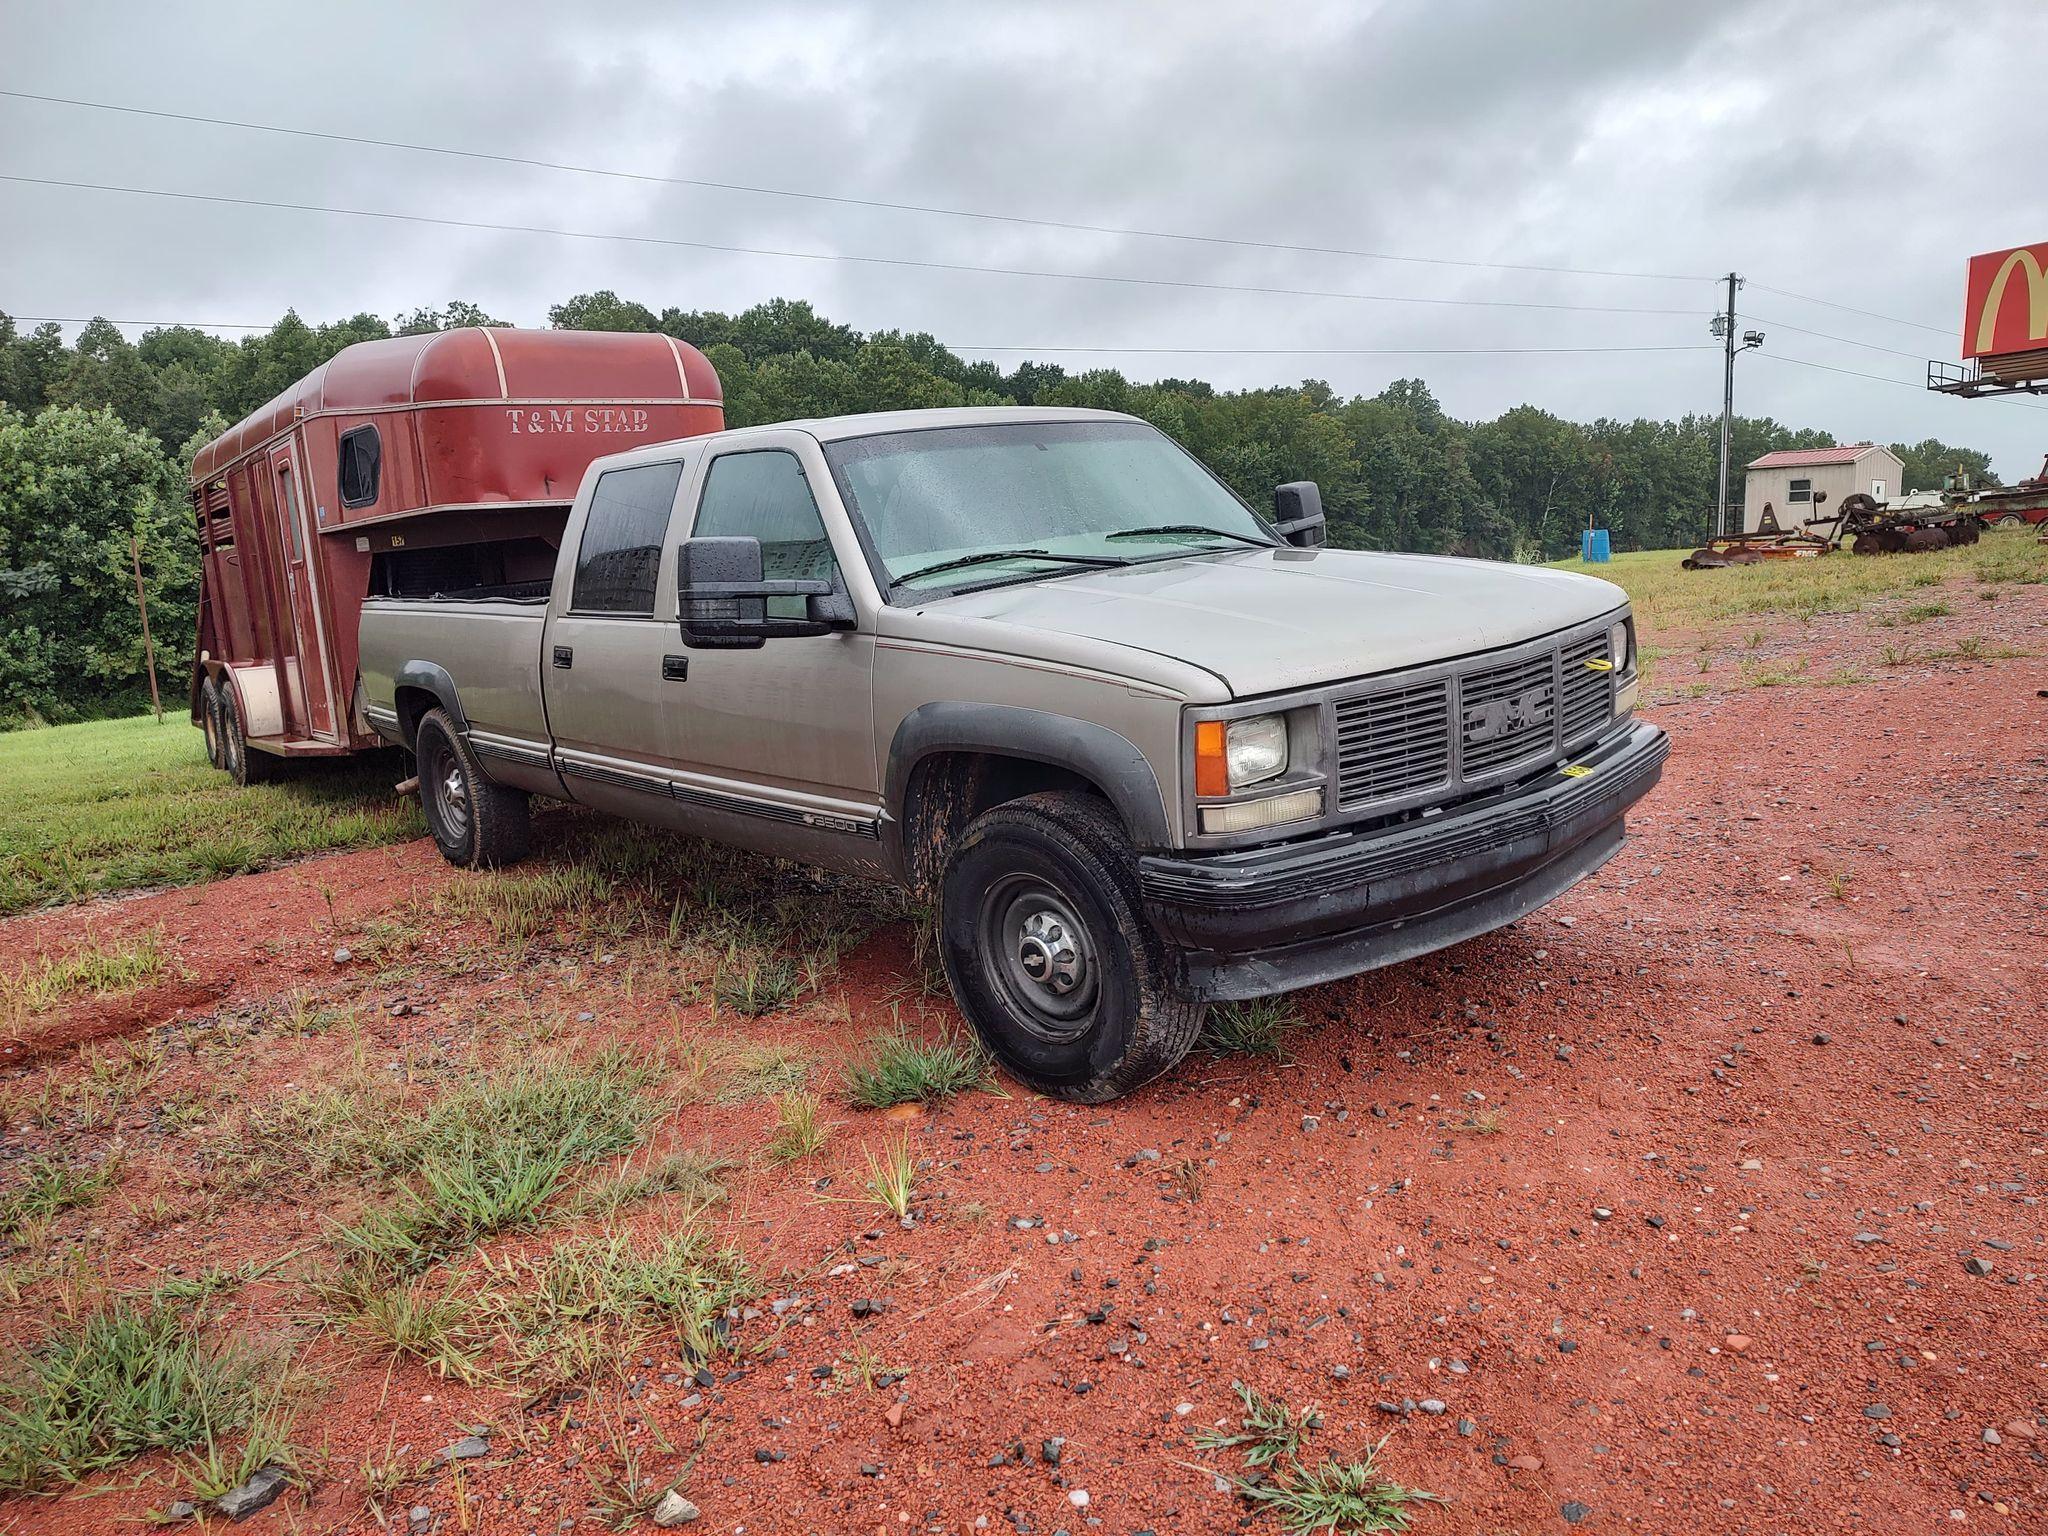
489, 645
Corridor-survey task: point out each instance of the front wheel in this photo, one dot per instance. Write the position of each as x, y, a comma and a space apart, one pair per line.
1049, 955
474, 821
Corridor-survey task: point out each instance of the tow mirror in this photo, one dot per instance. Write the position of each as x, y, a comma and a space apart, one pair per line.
723, 600
1298, 514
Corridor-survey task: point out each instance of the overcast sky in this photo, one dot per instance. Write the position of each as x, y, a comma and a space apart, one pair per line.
1858, 153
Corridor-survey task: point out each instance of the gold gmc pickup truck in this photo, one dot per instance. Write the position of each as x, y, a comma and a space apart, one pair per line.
1146, 747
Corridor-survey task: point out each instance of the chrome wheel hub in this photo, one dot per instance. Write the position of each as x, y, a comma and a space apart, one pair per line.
1047, 953
1039, 954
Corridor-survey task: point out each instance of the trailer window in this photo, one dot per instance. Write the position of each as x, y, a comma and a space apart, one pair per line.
1799, 490
362, 463
620, 556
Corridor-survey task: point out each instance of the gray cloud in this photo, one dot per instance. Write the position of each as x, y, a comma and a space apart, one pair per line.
1852, 153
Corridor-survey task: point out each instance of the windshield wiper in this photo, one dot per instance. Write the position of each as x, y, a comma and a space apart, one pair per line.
990, 556
1221, 533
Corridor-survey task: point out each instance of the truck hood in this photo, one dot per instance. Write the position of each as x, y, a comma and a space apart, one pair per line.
1269, 620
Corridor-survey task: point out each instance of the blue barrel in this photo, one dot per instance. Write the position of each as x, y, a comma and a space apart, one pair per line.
1593, 546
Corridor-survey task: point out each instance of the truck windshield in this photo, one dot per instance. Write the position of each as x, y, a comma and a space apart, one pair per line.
954, 506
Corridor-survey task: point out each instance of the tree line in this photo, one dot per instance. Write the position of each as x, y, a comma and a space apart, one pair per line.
94, 437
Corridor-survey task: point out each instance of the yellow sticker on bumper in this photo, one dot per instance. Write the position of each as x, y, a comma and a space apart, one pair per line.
1575, 771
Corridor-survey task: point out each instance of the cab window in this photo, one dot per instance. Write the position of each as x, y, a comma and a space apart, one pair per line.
619, 559
765, 495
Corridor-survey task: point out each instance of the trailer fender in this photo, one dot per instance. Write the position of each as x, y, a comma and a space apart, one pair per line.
257, 699
429, 679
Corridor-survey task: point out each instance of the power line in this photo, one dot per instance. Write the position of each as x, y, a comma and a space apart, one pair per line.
845, 201
1338, 351
187, 325
835, 256
1879, 378
1870, 314
207, 325
1847, 341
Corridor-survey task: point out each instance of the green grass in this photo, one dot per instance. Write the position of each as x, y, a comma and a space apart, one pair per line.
756, 1070
751, 983
892, 1179
898, 1069
521, 905
117, 805
48, 1188
487, 1156
1259, 1027
90, 971
798, 1131
563, 1311
137, 1374
1669, 599
1268, 1429
1331, 1495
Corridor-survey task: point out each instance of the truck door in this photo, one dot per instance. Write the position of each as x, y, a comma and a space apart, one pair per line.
303, 640
776, 745
603, 652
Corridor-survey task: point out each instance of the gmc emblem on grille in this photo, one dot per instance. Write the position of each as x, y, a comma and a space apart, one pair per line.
1495, 718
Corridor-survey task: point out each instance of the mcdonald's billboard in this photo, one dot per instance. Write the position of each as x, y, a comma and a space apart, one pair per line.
2006, 305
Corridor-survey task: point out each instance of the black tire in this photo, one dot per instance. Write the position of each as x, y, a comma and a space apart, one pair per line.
475, 823
245, 765
209, 722
1049, 955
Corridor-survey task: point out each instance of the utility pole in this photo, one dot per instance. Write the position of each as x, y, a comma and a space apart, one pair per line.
1727, 405
1724, 329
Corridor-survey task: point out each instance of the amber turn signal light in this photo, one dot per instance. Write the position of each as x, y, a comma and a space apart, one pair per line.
1212, 767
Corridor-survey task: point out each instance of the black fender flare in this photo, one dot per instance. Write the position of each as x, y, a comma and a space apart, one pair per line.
1097, 753
429, 677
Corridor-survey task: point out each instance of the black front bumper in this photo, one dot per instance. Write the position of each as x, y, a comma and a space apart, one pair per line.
1267, 920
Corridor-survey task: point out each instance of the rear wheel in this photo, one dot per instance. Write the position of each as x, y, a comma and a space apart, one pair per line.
1049, 955
209, 722
245, 765
474, 821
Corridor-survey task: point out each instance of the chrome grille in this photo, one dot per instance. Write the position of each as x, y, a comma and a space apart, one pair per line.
1588, 694
1393, 743
1507, 713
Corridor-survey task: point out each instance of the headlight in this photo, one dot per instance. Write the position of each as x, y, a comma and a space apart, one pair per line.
1255, 750
1617, 645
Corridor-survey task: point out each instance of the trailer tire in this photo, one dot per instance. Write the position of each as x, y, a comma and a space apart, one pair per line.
245, 765
1045, 942
209, 723
475, 823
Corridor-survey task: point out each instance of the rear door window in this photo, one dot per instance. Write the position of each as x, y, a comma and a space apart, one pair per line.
619, 560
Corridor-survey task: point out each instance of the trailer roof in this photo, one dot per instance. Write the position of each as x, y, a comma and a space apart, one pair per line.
476, 365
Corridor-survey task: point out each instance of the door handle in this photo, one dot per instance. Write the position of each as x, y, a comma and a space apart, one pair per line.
675, 669
565, 657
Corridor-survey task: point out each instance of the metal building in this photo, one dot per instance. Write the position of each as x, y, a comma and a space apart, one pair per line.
1791, 478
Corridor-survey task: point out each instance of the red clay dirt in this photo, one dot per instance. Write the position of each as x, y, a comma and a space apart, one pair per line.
1650, 1212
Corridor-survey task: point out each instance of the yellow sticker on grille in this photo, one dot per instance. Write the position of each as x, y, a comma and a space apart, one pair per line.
1575, 771
1599, 664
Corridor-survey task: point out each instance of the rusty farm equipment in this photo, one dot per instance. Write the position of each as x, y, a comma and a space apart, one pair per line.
1769, 540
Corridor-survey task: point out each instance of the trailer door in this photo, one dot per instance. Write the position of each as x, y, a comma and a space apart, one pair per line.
304, 641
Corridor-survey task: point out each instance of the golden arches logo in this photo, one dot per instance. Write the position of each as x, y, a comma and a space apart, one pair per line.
1994, 298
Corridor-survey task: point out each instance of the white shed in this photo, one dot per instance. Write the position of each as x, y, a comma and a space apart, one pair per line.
1790, 479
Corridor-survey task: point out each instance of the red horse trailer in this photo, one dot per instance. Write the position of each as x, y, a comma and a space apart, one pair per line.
407, 465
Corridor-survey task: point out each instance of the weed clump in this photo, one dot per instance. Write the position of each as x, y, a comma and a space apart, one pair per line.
899, 1069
